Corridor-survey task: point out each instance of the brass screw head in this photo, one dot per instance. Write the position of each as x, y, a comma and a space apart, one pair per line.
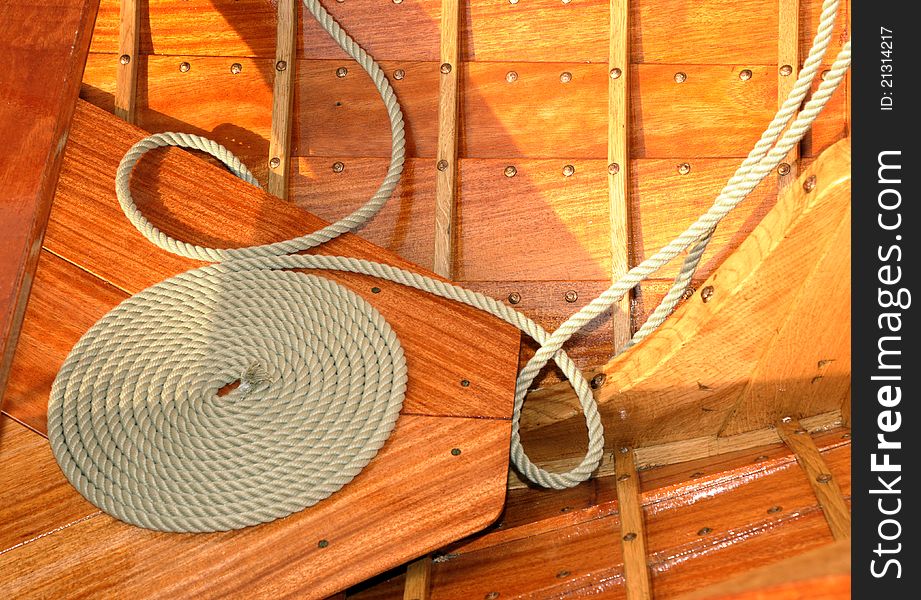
786, 70
706, 294
774, 510
455, 451
275, 162
513, 1
745, 74
571, 296
569, 171
322, 544
616, 73
630, 537
598, 381
510, 171
445, 68
494, 595
613, 168
809, 184
623, 477
184, 67
823, 477
399, 74
442, 165
565, 76
783, 169
514, 298
124, 59
341, 72
511, 77
236, 68
281, 65
398, 1
681, 77
704, 531
684, 168
563, 574
338, 167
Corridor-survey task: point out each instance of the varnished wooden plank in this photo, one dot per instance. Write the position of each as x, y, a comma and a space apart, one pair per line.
824, 483
43, 49
126, 75
632, 526
619, 172
34, 495
283, 99
418, 579
446, 166
788, 53
285, 557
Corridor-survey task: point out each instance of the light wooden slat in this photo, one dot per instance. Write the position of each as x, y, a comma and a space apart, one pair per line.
126, 77
632, 526
619, 172
418, 579
823, 482
788, 53
446, 157
283, 99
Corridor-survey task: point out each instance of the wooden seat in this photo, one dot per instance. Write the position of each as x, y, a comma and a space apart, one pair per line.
441, 476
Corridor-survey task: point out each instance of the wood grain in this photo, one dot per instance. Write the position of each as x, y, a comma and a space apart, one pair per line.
283, 99
418, 579
43, 49
633, 528
126, 74
820, 477
788, 53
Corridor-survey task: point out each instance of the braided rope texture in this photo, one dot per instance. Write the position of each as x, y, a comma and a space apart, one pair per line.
135, 420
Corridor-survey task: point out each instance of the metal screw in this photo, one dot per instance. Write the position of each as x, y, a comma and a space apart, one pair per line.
825, 74
124, 59
569, 171
510, 171
184, 67
322, 543
598, 381
616, 73
455, 451
696, 475
442, 165
684, 168
281, 65
514, 298
563, 574
338, 167
704, 531
566, 1
399, 74
445, 68
513, 1
511, 76
613, 168
571, 296
774, 510
623, 477
786, 419
465, 383
565, 76
706, 293
681, 77
823, 478
398, 1
341, 72
624, 450
809, 184
630, 537
783, 169
275, 162
375, 290
786, 70
689, 292
761, 458
236, 68
494, 595
845, 436
745, 74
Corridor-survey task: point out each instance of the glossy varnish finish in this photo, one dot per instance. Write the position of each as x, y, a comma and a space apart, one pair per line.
43, 50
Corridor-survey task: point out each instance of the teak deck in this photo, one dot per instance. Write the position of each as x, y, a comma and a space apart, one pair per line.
93, 258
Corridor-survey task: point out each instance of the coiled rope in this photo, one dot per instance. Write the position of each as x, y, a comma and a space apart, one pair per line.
135, 418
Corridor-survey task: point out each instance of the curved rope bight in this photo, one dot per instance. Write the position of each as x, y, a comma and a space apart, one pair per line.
135, 420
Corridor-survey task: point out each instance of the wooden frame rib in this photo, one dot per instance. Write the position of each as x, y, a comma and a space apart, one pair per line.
619, 159
826, 489
283, 99
126, 77
418, 579
446, 165
788, 56
632, 527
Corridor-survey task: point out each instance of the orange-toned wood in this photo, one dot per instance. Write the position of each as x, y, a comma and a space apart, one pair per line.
35, 498
418, 579
446, 156
540, 30
688, 377
823, 483
43, 49
823, 573
832, 124
632, 526
788, 52
126, 74
283, 99
619, 172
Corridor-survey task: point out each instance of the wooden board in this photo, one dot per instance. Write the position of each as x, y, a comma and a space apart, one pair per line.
43, 49
464, 491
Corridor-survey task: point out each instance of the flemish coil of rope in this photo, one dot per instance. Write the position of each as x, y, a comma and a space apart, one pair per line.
135, 418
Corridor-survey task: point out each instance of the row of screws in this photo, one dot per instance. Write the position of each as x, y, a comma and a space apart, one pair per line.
570, 296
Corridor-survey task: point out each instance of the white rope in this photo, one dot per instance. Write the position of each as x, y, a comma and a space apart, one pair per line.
75, 390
